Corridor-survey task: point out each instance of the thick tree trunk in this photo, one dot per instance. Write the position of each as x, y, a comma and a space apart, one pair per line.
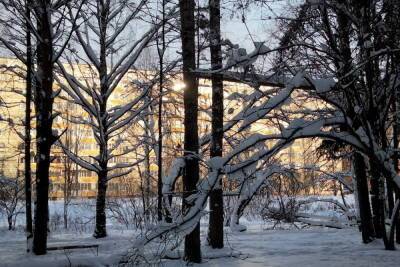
100, 228
365, 11
396, 166
390, 196
377, 201
216, 223
359, 166
27, 152
44, 120
392, 9
10, 223
396, 154
191, 142
367, 227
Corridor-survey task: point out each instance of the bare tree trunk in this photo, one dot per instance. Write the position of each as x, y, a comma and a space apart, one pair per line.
365, 10
191, 143
160, 51
376, 201
27, 152
65, 215
9, 220
216, 222
359, 166
160, 144
396, 161
391, 21
67, 190
65, 200
142, 190
390, 197
44, 120
67, 174
146, 204
367, 227
100, 228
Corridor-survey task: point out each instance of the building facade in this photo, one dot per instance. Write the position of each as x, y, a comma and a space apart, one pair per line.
70, 180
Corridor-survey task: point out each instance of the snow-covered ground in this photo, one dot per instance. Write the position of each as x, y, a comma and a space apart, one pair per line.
285, 245
311, 247
13, 250
256, 247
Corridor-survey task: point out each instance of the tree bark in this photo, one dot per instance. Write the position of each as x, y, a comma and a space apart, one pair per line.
27, 152
44, 105
147, 174
367, 227
161, 51
191, 140
391, 21
10, 222
100, 228
390, 196
376, 201
67, 175
396, 163
216, 221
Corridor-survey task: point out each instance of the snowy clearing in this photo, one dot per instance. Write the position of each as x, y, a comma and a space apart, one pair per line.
261, 245
255, 247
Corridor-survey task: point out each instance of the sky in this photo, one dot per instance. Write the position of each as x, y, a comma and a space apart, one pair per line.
259, 26
260, 20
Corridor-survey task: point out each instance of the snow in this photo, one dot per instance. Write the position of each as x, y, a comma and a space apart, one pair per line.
324, 85
216, 163
255, 247
259, 245
315, 247
238, 57
174, 172
13, 252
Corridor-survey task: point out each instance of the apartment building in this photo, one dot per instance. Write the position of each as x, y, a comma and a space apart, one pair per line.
80, 140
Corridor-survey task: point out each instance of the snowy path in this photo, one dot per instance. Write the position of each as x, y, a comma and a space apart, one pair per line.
269, 248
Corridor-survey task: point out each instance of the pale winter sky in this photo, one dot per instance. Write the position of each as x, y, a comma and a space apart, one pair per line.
260, 22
